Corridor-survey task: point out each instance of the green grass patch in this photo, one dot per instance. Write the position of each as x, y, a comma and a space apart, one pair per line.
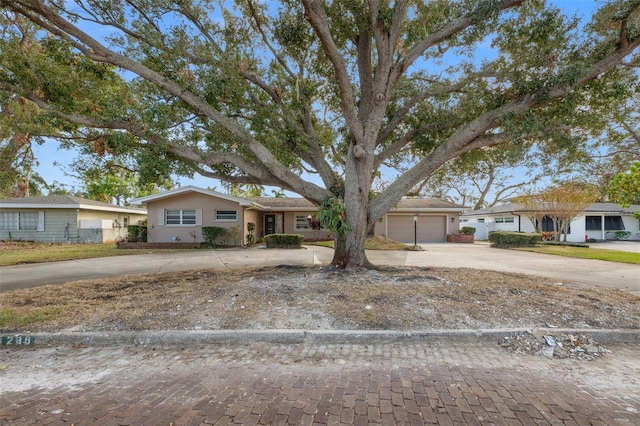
586, 253
328, 244
371, 243
11, 318
20, 253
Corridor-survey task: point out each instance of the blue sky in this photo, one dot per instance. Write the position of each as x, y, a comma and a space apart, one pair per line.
50, 152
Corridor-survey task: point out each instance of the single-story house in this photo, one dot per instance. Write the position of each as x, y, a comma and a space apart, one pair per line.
180, 214
64, 218
599, 221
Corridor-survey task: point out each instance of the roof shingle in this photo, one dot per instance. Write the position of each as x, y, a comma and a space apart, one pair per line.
63, 201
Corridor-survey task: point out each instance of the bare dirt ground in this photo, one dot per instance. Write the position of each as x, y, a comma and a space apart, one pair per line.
316, 298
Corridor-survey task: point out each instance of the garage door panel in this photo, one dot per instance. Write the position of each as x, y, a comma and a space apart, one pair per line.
429, 229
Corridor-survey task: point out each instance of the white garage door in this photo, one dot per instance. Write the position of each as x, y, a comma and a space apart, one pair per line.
429, 229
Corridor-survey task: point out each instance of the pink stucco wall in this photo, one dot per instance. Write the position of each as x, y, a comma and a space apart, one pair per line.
208, 205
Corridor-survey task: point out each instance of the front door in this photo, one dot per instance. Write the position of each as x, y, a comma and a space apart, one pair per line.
269, 224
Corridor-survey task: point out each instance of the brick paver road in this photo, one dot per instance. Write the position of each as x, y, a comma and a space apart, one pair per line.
265, 383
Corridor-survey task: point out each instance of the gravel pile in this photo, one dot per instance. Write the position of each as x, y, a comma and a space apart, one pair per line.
574, 346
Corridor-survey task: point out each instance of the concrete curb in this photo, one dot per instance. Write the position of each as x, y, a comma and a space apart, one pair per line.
203, 337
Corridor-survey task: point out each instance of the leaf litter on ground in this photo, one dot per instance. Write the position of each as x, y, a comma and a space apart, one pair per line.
293, 297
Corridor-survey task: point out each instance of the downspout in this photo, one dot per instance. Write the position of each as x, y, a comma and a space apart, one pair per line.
519, 220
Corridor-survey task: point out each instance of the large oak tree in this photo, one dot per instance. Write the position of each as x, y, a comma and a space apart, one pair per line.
270, 93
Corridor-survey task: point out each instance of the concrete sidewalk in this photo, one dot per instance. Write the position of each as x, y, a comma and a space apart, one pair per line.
477, 256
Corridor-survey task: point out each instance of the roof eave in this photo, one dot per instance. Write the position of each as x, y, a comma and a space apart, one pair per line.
427, 209
178, 191
73, 207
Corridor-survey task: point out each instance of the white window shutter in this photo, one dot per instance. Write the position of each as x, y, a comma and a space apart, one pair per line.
160, 216
198, 217
40, 221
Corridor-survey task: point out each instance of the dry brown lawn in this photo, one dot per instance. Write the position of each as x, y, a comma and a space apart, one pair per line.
316, 298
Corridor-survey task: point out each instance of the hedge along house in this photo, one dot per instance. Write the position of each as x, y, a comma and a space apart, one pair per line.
64, 218
599, 221
180, 214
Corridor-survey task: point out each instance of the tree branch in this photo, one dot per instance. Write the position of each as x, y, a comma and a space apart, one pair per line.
238, 180
317, 18
94, 50
252, 169
440, 35
408, 106
265, 40
398, 145
315, 156
633, 132
473, 135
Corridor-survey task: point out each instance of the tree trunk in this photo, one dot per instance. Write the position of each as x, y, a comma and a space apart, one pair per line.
349, 252
556, 230
356, 198
340, 254
566, 223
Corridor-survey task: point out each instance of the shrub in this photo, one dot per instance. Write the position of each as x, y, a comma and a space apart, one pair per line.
283, 240
563, 244
468, 230
621, 235
232, 234
137, 233
211, 233
251, 228
513, 239
547, 236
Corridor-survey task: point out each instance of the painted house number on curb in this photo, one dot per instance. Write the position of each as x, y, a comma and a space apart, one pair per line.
18, 340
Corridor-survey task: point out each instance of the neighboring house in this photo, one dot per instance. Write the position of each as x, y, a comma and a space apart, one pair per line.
64, 218
180, 214
599, 221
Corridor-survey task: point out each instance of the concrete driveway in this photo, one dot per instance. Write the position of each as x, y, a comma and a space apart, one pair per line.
478, 256
599, 273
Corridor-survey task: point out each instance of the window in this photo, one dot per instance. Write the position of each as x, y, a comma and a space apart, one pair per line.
302, 223
125, 221
611, 223
593, 223
180, 217
481, 220
547, 225
22, 221
28, 221
507, 219
9, 221
230, 215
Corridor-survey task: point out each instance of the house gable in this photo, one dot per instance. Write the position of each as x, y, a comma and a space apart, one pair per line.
190, 190
65, 218
599, 221
181, 215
